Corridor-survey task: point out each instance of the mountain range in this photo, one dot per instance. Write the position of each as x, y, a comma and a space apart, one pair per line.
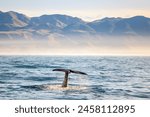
15, 25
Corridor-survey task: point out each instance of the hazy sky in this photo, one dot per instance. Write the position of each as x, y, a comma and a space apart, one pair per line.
86, 9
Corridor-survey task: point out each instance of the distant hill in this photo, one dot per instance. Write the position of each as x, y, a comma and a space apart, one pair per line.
15, 25
12, 21
138, 25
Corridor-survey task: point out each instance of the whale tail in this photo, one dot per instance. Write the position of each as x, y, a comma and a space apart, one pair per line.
70, 71
67, 72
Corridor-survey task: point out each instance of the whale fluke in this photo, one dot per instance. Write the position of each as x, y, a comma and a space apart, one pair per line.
67, 72
70, 71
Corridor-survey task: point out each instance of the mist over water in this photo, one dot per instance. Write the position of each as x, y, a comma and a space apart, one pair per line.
31, 77
75, 45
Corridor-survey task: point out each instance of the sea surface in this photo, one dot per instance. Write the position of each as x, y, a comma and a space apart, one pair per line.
31, 77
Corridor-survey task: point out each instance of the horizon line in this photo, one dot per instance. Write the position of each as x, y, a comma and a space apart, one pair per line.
115, 55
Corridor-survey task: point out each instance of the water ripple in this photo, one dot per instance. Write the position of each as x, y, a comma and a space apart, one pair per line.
31, 77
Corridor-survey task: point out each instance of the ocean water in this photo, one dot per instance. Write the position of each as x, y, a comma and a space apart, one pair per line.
31, 77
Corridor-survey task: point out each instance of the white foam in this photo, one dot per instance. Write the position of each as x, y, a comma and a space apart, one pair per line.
59, 87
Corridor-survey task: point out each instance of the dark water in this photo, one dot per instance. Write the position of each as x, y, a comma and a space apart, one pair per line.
31, 77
